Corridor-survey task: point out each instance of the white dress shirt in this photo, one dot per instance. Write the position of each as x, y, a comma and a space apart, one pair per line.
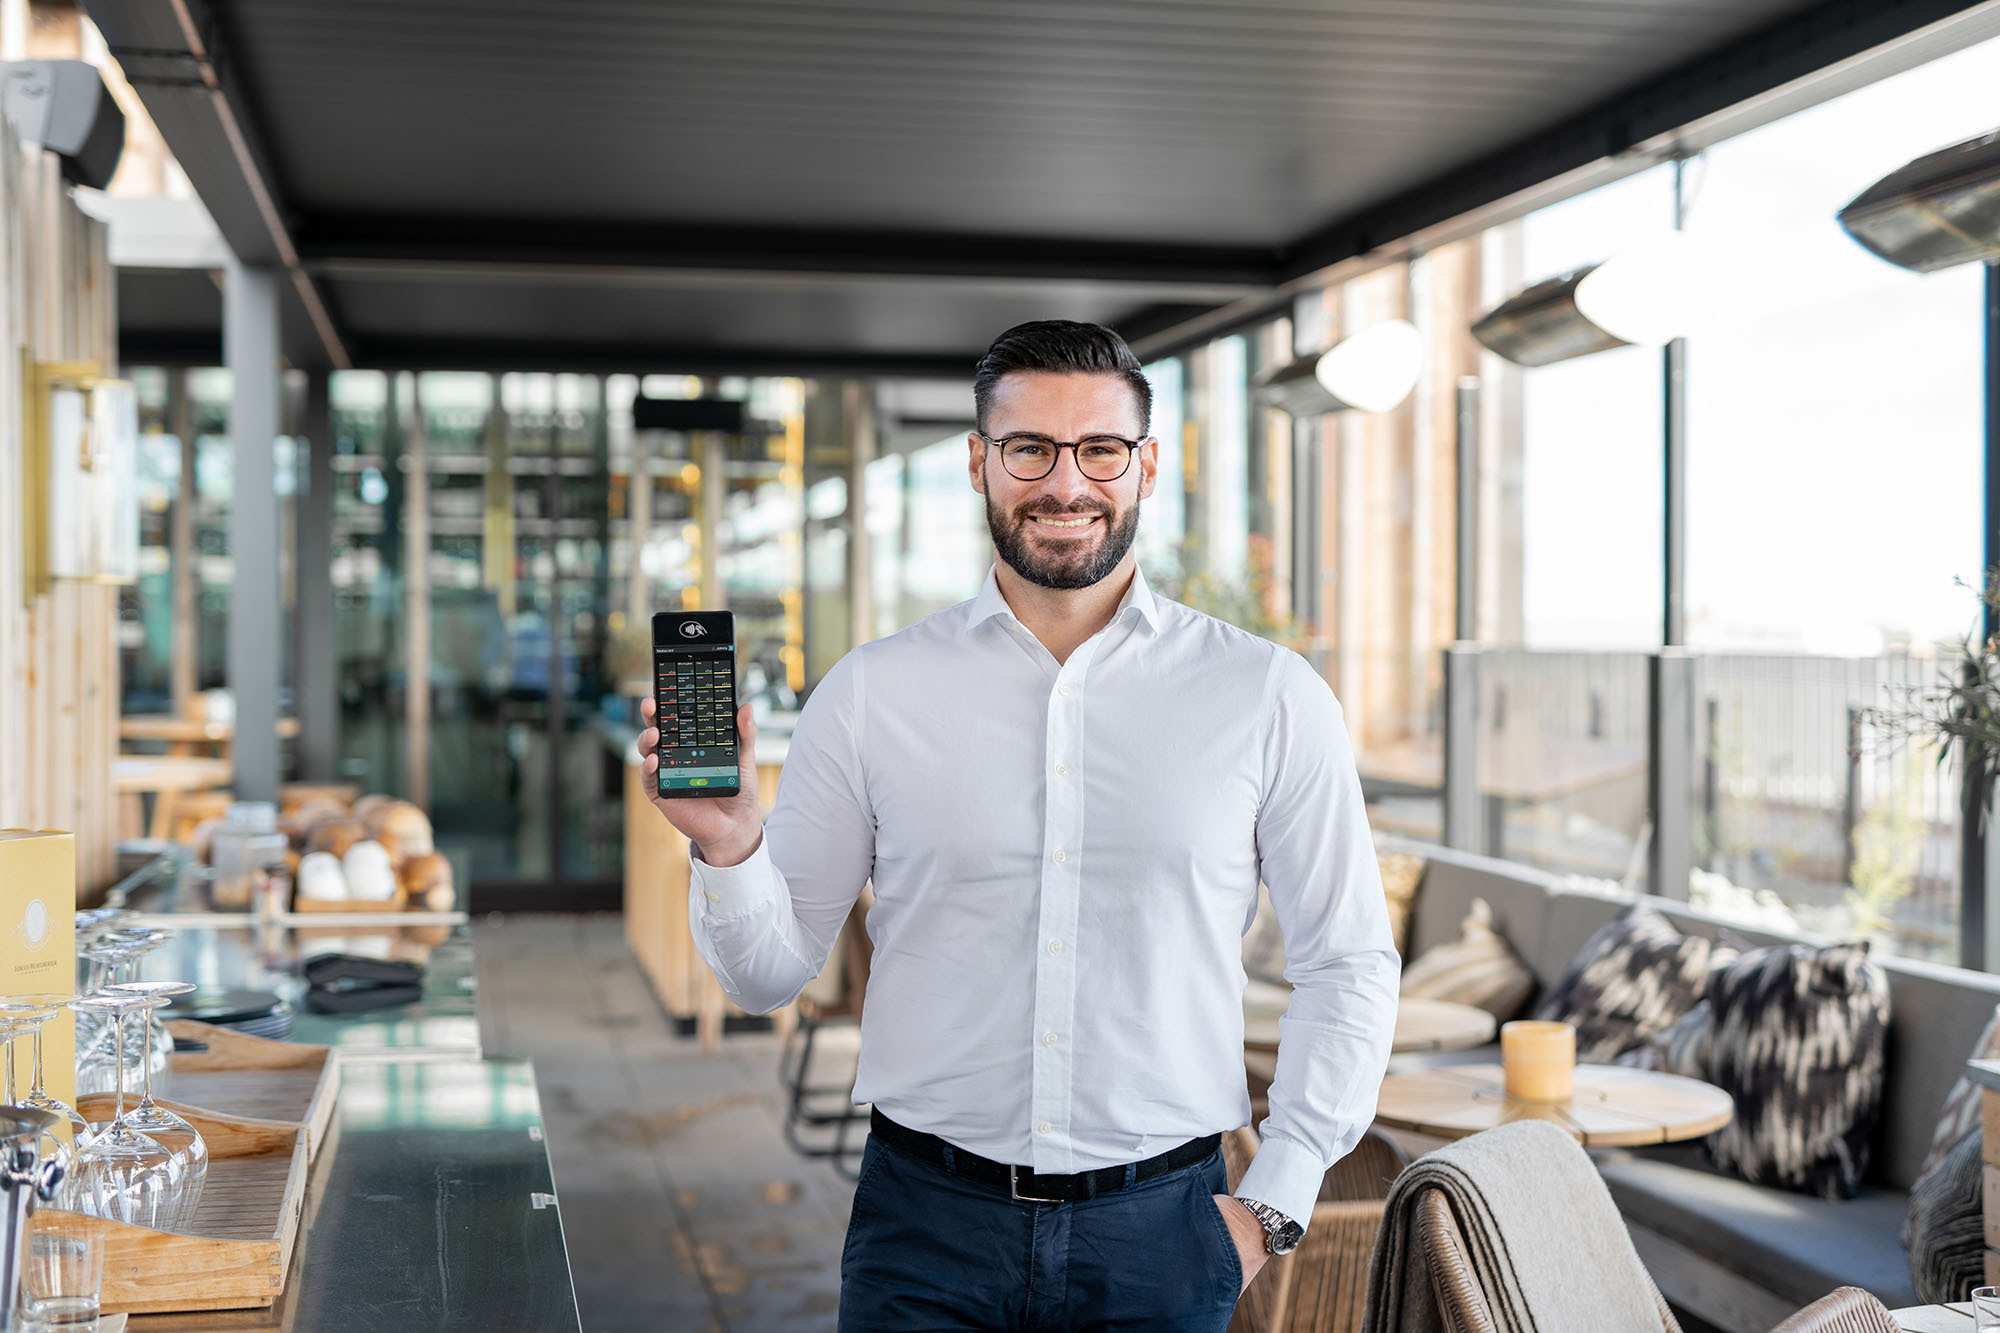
1066, 858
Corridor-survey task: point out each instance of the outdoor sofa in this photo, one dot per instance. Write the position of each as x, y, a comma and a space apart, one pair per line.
1741, 1256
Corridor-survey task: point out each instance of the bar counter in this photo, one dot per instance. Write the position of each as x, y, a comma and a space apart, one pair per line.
431, 1204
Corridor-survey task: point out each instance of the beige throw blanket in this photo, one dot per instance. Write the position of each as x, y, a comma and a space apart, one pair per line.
1543, 1237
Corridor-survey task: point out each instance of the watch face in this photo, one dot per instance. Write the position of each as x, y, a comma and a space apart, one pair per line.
1286, 1238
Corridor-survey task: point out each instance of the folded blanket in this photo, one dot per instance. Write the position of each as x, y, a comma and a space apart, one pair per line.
1544, 1240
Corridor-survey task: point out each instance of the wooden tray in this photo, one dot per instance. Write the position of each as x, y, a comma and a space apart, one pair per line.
238, 1250
335, 906
271, 1082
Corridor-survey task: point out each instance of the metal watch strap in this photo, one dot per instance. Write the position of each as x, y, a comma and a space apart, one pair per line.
1275, 1225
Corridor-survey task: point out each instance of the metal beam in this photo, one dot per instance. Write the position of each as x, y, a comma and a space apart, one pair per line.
543, 354
176, 58
527, 250
318, 668
250, 314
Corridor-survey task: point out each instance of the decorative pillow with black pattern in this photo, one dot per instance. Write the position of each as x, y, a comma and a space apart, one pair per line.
1798, 1036
1634, 979
1947, 1225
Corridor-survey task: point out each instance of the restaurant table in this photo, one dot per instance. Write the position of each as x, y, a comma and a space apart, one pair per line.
185, 735
430, 1206
1421, 1025
1934, 1318
1613, 1106
166, 776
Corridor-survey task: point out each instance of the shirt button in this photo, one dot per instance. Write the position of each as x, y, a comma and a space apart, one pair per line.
1050, 1038
1063, 690
1045, 1128
1055, 946
1062, 770
1061, 856
715, 897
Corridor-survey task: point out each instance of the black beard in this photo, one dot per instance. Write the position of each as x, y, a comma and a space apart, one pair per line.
1077, 570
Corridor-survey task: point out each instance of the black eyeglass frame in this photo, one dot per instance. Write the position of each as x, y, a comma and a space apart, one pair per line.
1131, 452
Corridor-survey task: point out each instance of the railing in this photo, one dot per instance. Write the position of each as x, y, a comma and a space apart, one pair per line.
1797, 793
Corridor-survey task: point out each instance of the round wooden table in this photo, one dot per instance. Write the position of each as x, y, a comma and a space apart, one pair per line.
1613, 1106
166, 776
1421, 1025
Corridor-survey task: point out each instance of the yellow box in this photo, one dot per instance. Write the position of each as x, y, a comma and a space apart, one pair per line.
38, 945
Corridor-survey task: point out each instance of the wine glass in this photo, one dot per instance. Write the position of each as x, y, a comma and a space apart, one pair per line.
118, 1173
156, 1122
42, 1009
28, 1014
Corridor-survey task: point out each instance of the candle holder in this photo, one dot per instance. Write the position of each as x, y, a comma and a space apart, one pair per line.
1539, 1060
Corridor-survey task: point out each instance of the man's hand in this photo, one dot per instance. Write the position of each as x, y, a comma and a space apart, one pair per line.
726, 828
1248, 1233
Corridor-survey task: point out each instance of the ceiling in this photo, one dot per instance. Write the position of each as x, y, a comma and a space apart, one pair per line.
880, 186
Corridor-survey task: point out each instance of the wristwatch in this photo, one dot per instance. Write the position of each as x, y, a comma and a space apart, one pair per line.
1281, 1234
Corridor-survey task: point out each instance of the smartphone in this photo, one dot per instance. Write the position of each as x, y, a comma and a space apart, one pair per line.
694, 691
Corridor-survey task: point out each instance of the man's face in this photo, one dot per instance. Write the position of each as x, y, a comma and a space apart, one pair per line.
1064, 530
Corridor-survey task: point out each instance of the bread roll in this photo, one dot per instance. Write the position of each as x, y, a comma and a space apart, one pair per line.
370, 805
404, 830
369, 876
321, 878
335, 836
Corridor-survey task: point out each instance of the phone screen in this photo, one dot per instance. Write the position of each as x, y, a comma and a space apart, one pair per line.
694, 689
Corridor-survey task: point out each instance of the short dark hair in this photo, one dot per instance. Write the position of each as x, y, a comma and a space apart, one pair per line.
1065, 347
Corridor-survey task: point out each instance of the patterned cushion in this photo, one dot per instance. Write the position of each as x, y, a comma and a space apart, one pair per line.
1798, 1037
1682, 1049
1477, 968
1947, 1228
1402, 872
1633, 979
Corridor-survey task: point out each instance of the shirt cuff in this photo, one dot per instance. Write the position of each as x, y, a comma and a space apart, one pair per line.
1285, 1175
727, 892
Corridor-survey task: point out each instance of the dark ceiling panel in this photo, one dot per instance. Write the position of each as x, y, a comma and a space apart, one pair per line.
1230, 124
889, 182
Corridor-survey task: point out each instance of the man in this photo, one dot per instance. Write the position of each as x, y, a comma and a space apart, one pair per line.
1066, 791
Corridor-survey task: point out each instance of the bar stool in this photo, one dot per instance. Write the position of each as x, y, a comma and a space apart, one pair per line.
813, 1108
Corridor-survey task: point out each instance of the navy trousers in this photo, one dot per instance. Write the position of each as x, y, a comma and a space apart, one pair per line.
930, 1250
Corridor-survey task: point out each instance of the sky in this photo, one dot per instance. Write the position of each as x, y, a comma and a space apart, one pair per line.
1835, 413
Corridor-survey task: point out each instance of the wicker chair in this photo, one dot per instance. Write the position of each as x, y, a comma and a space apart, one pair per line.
1842, 1310
1321, 1286
1461, 1301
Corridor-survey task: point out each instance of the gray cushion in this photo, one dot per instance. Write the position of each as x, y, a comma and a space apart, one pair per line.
1574, 918
1519, 896
1793, 1245
1936, 1014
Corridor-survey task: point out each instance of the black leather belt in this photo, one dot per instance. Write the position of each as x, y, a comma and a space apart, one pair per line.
1026, 1185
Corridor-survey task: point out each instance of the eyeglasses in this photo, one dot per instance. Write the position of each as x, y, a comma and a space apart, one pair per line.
1032, 457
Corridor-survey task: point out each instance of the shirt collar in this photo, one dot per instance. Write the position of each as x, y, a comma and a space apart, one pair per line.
1138, 601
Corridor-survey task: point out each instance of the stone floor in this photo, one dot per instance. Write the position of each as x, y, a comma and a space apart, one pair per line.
682, 1206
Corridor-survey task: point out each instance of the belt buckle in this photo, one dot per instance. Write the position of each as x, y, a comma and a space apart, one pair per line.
1014, 1187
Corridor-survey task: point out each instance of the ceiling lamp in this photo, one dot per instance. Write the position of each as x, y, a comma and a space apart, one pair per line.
1373, 371
1937, 212
1637, 298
